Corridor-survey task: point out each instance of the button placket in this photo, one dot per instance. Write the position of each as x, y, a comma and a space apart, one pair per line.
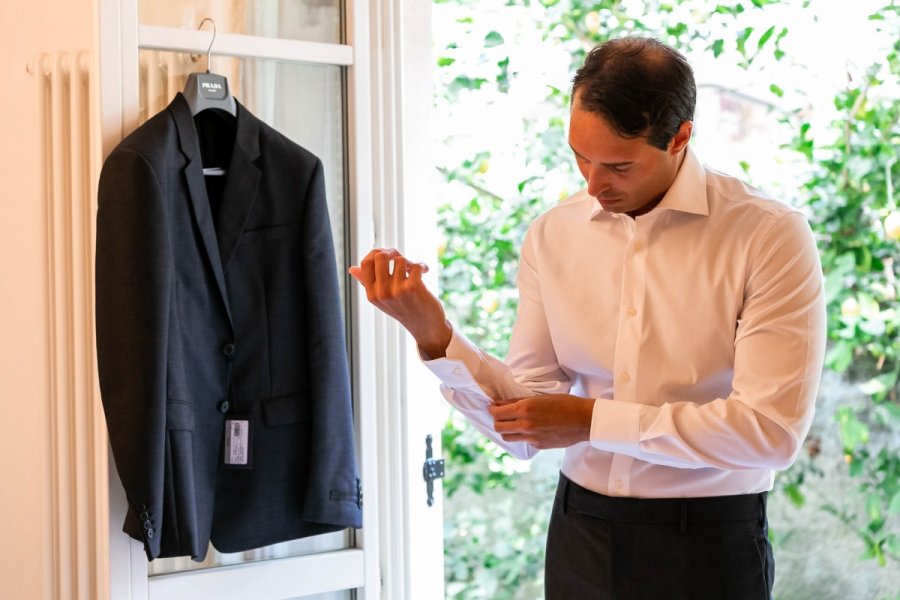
619, 483
627, 342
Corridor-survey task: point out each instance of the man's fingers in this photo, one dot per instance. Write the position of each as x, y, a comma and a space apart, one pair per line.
507, 412
506, 401
403, 268
365, 271
385, 273
382, 265
357, 273
390, 252
398, 274
415, 271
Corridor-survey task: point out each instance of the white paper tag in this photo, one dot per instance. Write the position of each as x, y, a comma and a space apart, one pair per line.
237, 437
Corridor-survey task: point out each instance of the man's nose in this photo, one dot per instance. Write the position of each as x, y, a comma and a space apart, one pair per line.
598, 181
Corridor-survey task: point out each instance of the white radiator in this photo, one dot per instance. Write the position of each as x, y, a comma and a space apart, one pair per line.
77, 470
162, 75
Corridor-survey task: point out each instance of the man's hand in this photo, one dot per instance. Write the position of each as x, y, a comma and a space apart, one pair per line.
394, 285
548, 421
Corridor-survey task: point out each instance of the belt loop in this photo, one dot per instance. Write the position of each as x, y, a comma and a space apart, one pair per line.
684, 516
565, 494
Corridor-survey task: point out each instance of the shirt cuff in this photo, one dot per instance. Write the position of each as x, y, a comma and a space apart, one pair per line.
461, 352
615, 426
458, 367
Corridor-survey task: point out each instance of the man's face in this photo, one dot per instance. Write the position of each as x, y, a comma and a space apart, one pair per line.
624, 175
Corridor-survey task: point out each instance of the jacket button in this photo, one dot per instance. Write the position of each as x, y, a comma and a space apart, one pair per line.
228, 349
148, 525
224, 405
144, 516
150, 534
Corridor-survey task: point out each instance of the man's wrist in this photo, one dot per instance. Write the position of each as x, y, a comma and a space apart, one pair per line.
435, 344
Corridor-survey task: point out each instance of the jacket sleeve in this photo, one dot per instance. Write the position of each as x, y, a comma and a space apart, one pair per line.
333, 495
133, 292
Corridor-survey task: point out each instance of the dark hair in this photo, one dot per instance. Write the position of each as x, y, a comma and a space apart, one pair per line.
642, 87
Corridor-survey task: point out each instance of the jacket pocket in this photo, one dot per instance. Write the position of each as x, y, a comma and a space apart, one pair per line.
274, 232
179, 416
284, 410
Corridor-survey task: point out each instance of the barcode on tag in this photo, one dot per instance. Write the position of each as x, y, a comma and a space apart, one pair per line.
237, 436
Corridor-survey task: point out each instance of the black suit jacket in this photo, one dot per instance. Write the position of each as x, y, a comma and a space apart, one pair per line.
209, 311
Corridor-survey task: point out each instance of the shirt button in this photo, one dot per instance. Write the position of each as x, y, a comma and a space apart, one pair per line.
224, 405
625, 377
631, 311
457, 371
619, 484
228, 349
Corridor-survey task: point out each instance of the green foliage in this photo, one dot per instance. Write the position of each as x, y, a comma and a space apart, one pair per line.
494, 545
847, 189
484, 465
479, 259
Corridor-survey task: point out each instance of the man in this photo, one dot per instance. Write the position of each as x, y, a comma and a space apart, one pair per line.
670, 336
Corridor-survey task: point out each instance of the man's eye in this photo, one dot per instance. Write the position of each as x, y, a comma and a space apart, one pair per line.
618, 169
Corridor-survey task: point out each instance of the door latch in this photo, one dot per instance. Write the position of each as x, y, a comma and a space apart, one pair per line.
431, 470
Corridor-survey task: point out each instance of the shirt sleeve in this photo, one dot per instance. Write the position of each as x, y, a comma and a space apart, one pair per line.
471, 378
779, 353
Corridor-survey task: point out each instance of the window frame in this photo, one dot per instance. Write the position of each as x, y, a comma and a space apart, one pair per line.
357, 568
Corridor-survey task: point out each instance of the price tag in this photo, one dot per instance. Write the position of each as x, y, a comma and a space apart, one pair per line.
237, 443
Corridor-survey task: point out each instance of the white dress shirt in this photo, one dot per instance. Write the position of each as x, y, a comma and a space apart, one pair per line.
699, 329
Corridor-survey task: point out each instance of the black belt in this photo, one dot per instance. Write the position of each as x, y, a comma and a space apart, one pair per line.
713, 509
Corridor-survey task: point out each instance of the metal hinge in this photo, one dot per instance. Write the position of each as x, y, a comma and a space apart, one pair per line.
431, 470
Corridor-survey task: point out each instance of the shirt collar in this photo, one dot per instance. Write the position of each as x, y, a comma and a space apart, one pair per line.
686, 194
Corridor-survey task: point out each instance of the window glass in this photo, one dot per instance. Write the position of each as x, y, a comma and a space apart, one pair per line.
305, 103
308, 20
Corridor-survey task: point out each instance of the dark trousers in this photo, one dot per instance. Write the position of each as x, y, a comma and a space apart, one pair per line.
606, 548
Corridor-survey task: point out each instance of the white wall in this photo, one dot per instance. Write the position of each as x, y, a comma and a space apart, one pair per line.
30, 556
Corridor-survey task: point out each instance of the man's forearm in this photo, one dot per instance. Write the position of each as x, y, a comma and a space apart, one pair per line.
433, 341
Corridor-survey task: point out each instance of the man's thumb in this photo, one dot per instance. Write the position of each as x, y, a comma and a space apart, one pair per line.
505, 401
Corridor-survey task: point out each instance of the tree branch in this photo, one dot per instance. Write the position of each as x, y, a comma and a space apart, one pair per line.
468, 182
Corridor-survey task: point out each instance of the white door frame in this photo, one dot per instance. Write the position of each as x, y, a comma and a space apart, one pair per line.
398, 554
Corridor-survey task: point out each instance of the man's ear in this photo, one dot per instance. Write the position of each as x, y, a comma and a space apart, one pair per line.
680, 140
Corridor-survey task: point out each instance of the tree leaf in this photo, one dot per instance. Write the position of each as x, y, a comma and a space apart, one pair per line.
493, 39
765, 37
894, 508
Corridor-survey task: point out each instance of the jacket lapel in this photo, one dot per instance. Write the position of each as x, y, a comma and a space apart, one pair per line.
193, 174
241, 185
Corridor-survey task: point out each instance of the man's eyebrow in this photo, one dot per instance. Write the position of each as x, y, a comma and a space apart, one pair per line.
613, 164
577, 153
